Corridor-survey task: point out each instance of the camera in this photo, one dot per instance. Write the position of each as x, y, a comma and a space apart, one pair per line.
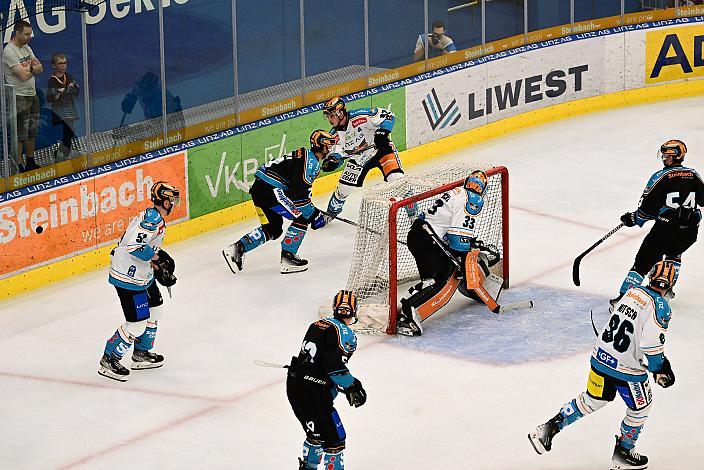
434, 38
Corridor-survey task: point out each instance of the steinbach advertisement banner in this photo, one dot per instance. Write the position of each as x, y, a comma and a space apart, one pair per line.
221, 172
510, 83
81, 216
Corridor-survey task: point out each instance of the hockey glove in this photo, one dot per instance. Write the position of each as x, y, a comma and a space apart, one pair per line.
381, 138
165, 267
331, 162
629, 219
664, 377
317, 219
355, 393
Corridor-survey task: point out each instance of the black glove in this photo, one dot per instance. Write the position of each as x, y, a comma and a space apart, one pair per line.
355, 393
317, 219
629, 219
492, 253
331, 162
381, 138
165, 267
664, 377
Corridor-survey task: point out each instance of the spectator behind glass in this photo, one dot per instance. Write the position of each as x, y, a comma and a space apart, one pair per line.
20, 65
61, 93
437, 40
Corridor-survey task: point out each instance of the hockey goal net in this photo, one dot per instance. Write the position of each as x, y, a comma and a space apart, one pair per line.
381, 262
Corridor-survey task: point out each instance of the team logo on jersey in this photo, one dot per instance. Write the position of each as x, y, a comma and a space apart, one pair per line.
438, 117
606, 358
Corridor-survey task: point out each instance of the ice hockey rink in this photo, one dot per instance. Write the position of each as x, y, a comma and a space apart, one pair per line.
463, 396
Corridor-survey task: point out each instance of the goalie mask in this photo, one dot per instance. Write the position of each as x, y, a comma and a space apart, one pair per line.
344, 305
672, 148
163, 191
476, 182
663, 275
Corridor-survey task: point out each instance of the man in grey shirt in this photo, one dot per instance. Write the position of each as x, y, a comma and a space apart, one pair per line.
20, 65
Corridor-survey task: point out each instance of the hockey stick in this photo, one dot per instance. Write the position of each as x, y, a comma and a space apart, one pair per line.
355, 224
274, 365
591, 316
359, 151
578, 259
520, 305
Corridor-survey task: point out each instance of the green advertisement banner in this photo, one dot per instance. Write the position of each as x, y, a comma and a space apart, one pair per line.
220, 172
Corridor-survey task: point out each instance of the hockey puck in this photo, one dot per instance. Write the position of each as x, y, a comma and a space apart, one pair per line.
39, 229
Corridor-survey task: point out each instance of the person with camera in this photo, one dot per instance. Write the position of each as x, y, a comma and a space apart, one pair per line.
438, 43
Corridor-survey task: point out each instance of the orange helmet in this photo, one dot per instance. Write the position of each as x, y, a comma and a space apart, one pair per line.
320, 139
344, 305
673, 148
333, 105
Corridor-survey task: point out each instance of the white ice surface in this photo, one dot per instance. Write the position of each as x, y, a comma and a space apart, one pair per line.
462, 397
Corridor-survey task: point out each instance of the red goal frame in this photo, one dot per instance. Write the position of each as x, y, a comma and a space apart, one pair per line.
393, 242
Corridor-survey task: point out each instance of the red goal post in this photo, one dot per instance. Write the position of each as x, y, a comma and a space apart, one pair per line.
381, 261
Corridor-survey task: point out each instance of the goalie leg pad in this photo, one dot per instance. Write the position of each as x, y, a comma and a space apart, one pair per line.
433, 297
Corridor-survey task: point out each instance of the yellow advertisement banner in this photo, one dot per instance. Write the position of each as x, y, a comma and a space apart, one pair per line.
674, 54
80, 216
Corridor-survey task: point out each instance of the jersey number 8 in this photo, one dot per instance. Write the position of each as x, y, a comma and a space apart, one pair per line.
620, 339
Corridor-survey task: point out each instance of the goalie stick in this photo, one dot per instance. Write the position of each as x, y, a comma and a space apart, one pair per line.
578, 259
520, 305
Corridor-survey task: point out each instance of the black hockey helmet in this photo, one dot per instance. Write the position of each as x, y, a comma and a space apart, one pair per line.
663, 275
476, 182
673, 148
162, 191
344, 305
333, 105
321, 139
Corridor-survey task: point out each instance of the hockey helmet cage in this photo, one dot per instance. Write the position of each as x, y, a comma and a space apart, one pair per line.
162, 191
344, 305
663, 275
320, 139
476, 182
673, 148
333, 105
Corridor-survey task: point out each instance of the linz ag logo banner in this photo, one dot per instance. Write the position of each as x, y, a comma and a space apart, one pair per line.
674, 54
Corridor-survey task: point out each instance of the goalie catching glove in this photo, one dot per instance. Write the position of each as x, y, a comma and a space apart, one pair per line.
164, 267
356, 395
664, 377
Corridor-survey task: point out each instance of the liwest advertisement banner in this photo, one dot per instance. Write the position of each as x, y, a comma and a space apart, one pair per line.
64, 221
221, 172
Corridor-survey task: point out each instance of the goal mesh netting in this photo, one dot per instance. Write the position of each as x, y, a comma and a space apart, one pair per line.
380, 263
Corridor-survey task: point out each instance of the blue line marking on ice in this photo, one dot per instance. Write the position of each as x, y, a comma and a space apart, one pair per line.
557, 326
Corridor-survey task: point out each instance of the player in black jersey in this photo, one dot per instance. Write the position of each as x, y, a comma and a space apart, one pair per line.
314, 378
282, 189
672, 199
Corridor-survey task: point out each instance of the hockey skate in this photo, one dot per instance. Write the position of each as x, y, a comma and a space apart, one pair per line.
234, 256
541, 438
146, 360
111, 368
627, 459
409, 322
292, 263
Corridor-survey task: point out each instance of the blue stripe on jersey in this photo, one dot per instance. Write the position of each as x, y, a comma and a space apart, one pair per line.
342, 379
361, 112
619, 375
663, 313
346, 338
270, 180
312, 168
655, 361
460, 243
151, 220
144, 252
129, 286
658, 175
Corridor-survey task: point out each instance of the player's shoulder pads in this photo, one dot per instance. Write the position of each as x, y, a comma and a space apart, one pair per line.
657, 176
151, 219
312, 169
361, 112
663, 313
347, 340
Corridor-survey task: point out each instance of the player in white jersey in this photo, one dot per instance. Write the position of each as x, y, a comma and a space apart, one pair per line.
135, 262
442, 240
363, 137
634, 335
